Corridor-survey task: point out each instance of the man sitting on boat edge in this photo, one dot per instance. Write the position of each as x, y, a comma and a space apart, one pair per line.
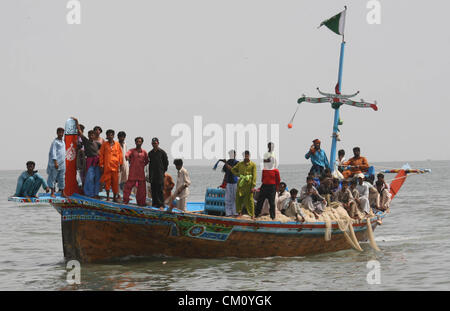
29, 182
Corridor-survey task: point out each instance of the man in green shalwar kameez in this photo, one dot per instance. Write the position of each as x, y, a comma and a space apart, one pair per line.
246, 170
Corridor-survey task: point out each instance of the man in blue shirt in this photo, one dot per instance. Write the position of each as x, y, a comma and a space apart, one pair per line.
231, 184
318, 157
56, 168
29, 182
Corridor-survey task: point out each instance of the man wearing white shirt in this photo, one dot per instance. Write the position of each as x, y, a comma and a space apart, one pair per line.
363, 190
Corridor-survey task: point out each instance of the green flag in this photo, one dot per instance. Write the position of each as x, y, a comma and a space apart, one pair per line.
336, 23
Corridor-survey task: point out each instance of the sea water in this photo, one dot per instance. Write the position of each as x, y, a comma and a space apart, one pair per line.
414, 242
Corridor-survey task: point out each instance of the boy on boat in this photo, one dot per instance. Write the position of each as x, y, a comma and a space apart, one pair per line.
318, 157
292, 208
182, 187
91, 149
56, 168
246, 170
345, 197
282, 196
311, 199
383, 190
230, 181
29, 182
357, 164
138, 159
110, 161
340, 160
157, 166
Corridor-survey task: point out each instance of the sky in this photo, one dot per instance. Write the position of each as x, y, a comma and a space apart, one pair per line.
146, 66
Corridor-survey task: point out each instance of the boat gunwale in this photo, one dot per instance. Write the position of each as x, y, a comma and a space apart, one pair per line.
204, 217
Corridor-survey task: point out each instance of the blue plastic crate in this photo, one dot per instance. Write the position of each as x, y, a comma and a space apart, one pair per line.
215, 201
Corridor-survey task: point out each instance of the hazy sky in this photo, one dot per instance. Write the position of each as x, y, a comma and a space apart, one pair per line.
143, 66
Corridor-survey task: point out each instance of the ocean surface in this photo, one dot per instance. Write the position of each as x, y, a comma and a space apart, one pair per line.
414, 242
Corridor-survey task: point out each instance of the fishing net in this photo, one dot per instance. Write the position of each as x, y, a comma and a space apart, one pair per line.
333, 213
279, 217
371, 236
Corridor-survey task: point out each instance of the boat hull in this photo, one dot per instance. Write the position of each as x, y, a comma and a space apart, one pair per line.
96, 232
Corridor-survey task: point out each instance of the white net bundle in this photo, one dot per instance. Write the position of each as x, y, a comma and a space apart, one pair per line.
334, 213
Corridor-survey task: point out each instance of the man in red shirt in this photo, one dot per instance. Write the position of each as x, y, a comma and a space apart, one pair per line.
138, 159
270, 183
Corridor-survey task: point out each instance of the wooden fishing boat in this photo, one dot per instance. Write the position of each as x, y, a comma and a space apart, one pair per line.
96, 230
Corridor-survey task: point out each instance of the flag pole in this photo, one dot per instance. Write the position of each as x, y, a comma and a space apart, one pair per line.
336, 109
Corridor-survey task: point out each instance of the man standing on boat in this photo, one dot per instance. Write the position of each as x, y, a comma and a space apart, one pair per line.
29, 182
56, 168
138, 159
182, 188
270, 185
231, 184
157, 166
110, 161
318, 157
91, 186
246, 170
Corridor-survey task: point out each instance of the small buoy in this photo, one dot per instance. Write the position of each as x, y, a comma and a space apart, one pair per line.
290, 125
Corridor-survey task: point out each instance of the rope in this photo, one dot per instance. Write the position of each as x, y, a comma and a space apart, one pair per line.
371, 237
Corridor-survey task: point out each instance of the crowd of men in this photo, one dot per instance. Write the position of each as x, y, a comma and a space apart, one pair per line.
347, 185
109, 165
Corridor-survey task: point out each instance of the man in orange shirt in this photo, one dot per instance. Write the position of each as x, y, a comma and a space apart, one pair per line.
110, 162
357, 164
